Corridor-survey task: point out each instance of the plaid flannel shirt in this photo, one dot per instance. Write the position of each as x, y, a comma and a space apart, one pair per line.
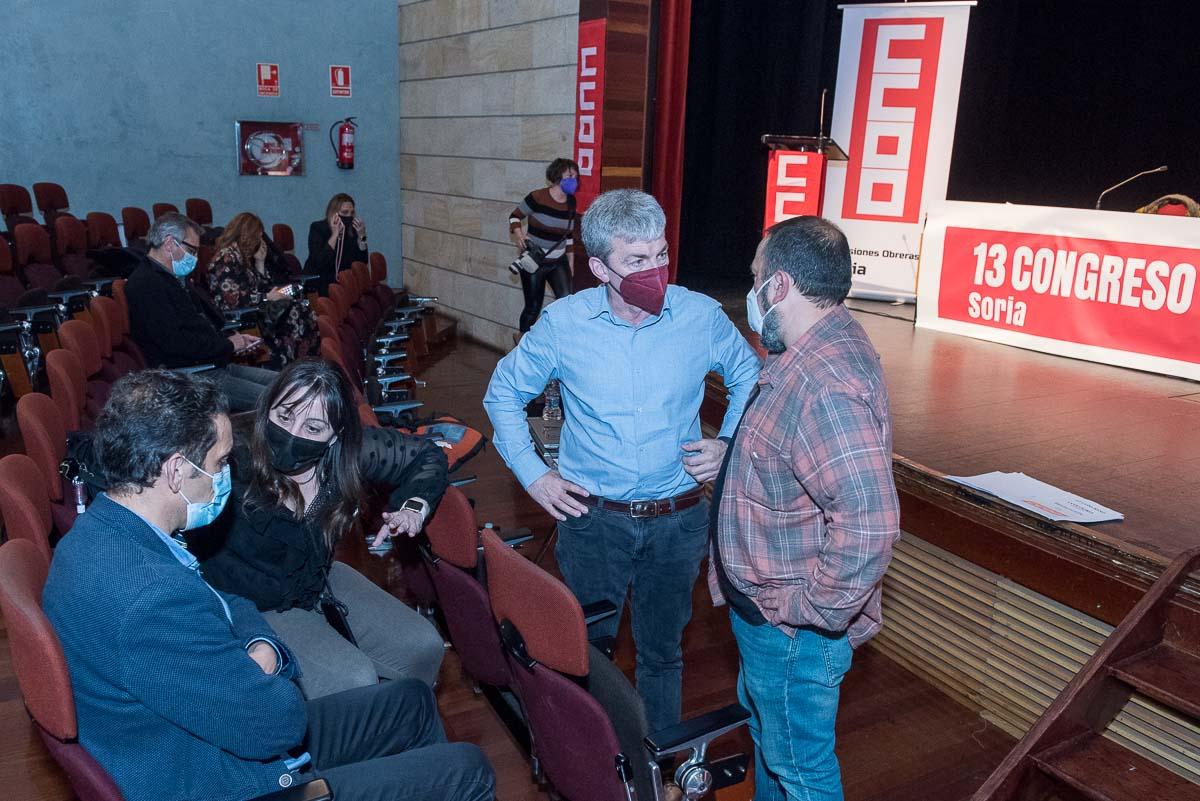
808, 513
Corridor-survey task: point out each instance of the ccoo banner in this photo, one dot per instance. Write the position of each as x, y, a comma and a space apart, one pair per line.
899, 71
589, 109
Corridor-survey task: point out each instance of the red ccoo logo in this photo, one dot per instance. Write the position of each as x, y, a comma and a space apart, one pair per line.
893, 105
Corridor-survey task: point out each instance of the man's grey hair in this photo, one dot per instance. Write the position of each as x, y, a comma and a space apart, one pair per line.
171, 224
627, 214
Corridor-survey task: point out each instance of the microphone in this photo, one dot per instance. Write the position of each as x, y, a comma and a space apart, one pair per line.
1163, 168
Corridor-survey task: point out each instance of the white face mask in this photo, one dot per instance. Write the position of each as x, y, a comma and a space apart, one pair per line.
754, 314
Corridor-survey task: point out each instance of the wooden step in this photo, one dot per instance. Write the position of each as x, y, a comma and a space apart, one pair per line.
1099, 769
1166, 674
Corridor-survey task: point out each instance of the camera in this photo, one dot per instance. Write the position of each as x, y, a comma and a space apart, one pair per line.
529, 260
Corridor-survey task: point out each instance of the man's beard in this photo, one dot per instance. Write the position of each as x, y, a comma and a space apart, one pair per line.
772, 338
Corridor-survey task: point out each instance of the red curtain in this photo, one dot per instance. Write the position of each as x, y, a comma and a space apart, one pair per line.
670, 105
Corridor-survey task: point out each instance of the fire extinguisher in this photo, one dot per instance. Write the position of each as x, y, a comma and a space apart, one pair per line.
343, 146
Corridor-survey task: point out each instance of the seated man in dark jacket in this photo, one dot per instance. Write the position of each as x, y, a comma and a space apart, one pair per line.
183, 692
174, 326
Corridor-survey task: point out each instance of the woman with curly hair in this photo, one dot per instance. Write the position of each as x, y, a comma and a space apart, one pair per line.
238, 277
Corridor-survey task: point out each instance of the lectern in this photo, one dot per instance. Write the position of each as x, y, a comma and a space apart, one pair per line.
796, 175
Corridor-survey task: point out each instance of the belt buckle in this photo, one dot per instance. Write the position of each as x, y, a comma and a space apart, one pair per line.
643, 509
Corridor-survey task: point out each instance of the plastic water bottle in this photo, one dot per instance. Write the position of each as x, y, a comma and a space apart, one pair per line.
553, 409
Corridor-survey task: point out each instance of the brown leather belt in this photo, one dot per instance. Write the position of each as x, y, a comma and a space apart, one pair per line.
662, 506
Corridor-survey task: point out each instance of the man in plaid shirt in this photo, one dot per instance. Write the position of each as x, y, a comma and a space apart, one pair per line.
805, 508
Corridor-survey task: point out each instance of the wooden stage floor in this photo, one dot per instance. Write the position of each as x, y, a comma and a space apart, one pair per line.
1123, 438
900, 739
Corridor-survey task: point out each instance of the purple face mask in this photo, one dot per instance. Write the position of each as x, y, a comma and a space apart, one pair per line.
569, 185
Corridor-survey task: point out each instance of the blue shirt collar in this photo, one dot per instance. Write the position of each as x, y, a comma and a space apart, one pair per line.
177, 550
599, 304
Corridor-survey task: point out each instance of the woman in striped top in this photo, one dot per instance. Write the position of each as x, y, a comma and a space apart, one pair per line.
553, 226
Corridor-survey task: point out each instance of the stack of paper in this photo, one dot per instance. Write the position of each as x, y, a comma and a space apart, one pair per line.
1039, 497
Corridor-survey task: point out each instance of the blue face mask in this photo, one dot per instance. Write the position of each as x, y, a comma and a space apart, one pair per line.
184, 266
569, 185
201, 514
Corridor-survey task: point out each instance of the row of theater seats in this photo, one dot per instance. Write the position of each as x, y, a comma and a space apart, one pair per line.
517, 628
16, 207
42, 254
38, 501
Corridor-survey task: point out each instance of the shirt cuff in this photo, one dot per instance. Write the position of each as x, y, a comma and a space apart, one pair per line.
529, 467
281, 660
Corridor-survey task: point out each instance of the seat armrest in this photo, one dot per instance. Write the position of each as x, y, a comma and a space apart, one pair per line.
392, 339
240, 314
696, 732
29, 312
394, 325
516, 537
397, 408
423, 299
597, 611
465, 480
606, 645
68, 295
386, 381
387, 358
315, 790
412, 308
196, 368
98, 284
306, 278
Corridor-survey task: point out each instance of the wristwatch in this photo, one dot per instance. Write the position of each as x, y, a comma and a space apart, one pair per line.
417, 505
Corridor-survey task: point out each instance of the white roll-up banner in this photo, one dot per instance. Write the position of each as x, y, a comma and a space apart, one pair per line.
899, 72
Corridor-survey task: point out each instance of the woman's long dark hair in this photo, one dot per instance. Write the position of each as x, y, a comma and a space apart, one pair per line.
297, 384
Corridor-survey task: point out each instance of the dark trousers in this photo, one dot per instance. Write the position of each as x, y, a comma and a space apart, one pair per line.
385, 742
606, 555
556, 273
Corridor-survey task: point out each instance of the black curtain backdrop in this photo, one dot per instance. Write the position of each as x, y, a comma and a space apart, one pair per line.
1059, 101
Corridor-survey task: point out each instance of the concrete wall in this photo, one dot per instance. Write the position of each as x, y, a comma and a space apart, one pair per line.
132, 102
486, 101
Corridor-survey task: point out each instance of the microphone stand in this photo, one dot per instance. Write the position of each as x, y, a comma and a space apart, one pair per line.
1163, 168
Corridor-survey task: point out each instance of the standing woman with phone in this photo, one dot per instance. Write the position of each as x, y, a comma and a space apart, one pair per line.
335, 242
552, 223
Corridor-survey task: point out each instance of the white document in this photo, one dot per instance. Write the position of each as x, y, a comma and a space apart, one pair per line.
1039, 497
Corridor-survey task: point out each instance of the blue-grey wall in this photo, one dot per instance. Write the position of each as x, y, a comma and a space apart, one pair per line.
132, 102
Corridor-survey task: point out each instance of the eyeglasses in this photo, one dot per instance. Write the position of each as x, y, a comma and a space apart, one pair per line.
189, 247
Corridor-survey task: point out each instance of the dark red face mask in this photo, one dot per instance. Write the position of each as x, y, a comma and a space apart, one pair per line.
646, 289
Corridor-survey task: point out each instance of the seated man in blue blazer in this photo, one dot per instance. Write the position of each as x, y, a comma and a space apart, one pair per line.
182, 692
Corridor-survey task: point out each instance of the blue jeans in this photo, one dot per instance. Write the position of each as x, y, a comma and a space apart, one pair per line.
791, 685
604, 554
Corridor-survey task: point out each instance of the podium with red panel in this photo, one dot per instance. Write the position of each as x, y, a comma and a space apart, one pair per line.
796, 175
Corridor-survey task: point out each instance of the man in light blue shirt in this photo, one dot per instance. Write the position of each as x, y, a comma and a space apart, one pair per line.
630, 356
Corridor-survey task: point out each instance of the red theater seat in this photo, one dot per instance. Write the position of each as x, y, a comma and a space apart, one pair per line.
51, 201
34, 258
136, 222
70, 238
11, 287
24, 503
102, 231
198, 210
285, 240
159, 209
15, 205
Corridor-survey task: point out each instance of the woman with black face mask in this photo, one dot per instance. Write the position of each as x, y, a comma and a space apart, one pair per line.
336, 242
298, 479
